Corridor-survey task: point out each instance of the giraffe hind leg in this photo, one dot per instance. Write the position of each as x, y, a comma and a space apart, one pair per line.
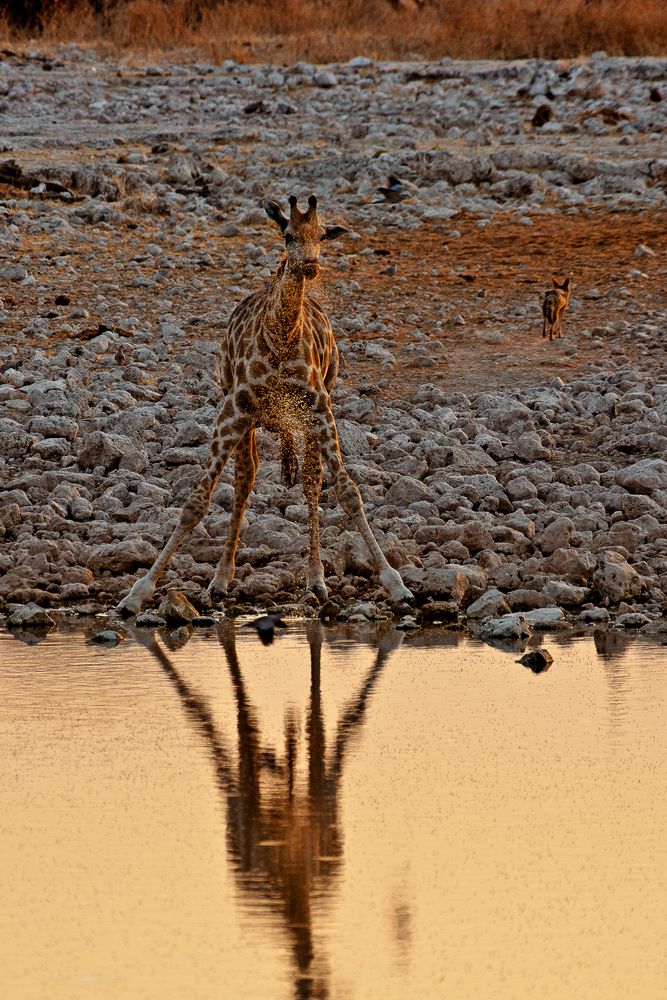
312, 485
289, 460
350, 500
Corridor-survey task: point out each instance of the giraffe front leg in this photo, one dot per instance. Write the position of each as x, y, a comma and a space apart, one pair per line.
350, 500
194, 510
246, 461
225, 438
312, 485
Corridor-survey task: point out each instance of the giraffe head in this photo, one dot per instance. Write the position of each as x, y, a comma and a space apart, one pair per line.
303, 234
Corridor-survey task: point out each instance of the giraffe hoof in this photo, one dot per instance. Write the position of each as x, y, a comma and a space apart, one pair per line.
128, 608
320, 591
217, 592
395, 588
405, 602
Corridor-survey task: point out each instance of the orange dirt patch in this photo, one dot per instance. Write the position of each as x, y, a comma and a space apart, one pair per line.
487, 273
471, 303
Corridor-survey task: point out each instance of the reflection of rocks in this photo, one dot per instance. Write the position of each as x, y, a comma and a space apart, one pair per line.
32, 636
177, 638
610, 644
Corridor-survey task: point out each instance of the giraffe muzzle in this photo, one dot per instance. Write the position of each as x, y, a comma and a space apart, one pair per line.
310, 268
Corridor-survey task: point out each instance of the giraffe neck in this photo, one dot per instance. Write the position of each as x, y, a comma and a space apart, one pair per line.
286, 303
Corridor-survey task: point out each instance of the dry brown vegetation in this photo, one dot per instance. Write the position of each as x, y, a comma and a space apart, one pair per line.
335, 30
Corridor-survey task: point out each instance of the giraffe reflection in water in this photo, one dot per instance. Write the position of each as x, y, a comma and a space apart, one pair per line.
284, 841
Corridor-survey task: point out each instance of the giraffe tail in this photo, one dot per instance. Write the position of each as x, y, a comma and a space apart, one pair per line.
289, 460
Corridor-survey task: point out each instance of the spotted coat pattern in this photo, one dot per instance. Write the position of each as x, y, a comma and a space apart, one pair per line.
279, 365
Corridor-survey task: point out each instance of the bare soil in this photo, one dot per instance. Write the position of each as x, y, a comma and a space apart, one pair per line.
474, 285
486, 273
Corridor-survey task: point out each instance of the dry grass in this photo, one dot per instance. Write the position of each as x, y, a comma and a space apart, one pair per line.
335, 30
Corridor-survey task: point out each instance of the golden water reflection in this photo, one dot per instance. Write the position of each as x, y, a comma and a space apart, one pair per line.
340, 814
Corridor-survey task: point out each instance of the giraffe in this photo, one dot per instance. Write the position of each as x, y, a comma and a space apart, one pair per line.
279, 366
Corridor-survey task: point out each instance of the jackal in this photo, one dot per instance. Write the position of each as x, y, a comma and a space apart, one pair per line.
553, 306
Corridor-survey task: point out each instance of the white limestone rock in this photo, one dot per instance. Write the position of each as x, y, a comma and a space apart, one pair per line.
565, 594
459, 583
491, 604
122, 557
648, 476
615, 579
507, 628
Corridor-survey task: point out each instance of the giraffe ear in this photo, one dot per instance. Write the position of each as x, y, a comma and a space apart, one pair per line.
333, 232
274, 212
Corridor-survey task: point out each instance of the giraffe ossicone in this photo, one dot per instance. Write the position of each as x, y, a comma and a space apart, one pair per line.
279, 366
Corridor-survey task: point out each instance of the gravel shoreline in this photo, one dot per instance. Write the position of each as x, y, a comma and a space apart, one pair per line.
510, 510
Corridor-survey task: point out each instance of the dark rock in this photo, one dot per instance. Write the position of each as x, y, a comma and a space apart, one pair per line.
542, 115
108, 637
149, 619
30, 616
266, 626
204, 621
538, 660
433, 611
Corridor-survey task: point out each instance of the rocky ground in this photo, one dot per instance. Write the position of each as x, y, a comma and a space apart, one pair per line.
509, 477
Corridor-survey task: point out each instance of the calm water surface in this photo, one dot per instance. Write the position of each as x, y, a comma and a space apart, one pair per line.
342, 814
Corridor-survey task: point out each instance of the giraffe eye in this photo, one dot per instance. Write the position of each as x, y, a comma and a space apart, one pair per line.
289, 238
